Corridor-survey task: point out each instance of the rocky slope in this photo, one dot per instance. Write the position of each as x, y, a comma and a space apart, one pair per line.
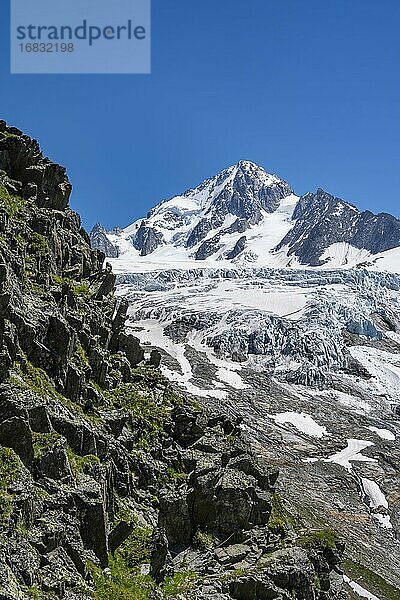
246, 216
310, 361
111, 484
285, 311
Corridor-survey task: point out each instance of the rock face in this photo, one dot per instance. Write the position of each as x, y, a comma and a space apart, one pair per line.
322, 220
147, 239
105, 472
100, 241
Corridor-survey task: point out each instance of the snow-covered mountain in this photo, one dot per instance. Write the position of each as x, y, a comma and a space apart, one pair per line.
286, 311
245, 216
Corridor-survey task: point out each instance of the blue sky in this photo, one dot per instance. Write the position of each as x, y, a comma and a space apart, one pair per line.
309, 89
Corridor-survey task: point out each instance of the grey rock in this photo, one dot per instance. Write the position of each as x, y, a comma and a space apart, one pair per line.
100, 241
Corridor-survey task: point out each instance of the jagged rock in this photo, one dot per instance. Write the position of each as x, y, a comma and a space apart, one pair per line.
130, 345
229, 500
146, 239
175, 519
207, 248
119, 534
54, 463
330, 220
107, 285
238, 248
100, 241
16, 434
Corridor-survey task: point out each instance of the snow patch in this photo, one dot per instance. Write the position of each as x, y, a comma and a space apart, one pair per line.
303, 422
385, 434
352, 452
362, 592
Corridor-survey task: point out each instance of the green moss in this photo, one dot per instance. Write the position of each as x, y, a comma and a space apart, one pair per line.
326, 538
38, 244
149, 414
172, 397
179, 583
56, 279
31, 287
10, 468
12, 204
81, 289
172, 475
81, 464
20, 239
36, 380
42, 442
78, 289
29, 377
81, 353
280, 518
34, 593
124, 514
122, 583
150, 375
7, 135
370, 580
202, 540
136, 549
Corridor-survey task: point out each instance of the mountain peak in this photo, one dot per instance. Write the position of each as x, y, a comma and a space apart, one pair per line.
248, 164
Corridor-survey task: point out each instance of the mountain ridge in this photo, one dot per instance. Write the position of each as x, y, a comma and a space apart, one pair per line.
244, 215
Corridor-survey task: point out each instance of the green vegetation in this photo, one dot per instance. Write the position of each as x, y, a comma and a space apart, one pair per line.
7, 134
81, 353
20, 239
172, 475
35, 593
12, 204
78, 289
124, 514
81, 464
81, 289
202, 540
326, 538
42, 442
38, 244
121, 583
179, 583
10, 468
371, 581
124, 582
34, 379
136, 549
149, 414
280, 519
56, 279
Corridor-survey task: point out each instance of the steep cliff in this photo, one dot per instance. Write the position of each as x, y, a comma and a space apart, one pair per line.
112, 485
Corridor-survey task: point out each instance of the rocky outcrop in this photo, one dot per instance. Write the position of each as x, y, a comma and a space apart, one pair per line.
100, 241
106, 474
146, 239
238, 248
323, 220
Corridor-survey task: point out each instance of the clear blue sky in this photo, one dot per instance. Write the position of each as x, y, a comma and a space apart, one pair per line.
309, 89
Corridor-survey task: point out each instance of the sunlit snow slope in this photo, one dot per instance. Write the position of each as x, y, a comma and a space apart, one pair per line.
246, 217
